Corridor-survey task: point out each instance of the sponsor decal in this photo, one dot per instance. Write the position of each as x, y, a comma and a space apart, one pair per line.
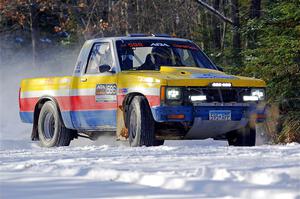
78, 67
160, 44
135, 45
213, 76
106, 93
184, 46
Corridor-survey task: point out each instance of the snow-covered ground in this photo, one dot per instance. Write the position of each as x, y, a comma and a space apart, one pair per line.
179, 169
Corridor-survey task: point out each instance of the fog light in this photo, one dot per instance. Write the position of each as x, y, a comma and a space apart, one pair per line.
195, 98
250, 98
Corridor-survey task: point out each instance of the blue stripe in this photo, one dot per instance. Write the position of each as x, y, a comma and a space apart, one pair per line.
66, 117
212, 76
26, 117
92, 120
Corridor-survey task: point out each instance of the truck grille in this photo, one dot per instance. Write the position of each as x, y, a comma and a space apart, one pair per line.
219, 94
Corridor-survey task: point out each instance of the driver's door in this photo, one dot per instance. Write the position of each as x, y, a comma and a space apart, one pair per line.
95, 104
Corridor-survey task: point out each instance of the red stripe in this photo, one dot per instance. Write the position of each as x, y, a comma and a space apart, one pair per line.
75, 103
28, 104
84, 103
153, 100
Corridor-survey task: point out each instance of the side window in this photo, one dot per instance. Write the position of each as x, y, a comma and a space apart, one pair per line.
100, 54
186, 57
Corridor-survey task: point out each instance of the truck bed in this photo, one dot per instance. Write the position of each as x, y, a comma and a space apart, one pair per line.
32, 89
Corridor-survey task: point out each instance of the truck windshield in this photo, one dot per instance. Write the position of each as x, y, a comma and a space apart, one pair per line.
151, 54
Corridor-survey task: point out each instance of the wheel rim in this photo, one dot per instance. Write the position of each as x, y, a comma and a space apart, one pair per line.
132, 125
49, 126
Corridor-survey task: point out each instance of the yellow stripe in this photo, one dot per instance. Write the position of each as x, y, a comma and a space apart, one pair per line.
50, 83
129, 80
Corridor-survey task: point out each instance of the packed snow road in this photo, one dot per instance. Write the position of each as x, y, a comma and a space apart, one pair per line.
179, 169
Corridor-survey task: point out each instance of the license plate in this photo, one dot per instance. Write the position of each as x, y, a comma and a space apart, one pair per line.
220, 115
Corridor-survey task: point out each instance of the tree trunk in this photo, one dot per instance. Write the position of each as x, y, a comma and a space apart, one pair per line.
131, 16
216, 26
33, 30
105, 10
236, 40
254, 13
255, 9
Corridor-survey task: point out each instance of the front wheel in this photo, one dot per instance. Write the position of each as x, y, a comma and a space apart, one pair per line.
242, 137
158, 142
140, 123
51, 130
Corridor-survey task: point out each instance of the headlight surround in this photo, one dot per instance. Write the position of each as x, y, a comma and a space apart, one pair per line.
173, 93
259, 93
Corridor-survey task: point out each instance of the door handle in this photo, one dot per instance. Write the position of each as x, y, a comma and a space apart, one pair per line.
83, 79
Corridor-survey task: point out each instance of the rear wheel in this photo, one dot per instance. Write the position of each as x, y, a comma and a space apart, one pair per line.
242, 137
51, 130
140, 124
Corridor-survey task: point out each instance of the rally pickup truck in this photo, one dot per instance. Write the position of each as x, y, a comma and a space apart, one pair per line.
144, 90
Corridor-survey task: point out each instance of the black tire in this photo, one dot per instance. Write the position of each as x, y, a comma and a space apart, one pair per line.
242, 137
140, 123
51, 130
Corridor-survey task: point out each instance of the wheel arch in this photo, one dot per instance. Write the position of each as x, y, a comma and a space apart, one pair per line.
128, 98
36, 113
122, 131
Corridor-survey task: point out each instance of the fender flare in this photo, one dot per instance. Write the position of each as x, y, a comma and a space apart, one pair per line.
122, 132
37, 109
127, 100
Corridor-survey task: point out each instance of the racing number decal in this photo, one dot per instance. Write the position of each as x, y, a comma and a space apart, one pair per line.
106, 93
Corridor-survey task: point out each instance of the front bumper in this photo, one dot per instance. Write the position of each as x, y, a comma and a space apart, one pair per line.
238, 111
197, 117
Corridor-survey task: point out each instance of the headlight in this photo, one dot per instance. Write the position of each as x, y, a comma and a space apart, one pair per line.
173, 93
257, 94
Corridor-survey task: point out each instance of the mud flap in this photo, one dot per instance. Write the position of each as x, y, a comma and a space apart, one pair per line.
262, 134
122, 131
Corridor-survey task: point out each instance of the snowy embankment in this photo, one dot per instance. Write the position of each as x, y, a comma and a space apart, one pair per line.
179, 169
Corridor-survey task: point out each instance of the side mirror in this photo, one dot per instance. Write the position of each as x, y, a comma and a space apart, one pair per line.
104, 68
220, 68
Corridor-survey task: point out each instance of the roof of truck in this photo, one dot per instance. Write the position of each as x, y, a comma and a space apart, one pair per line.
140, 37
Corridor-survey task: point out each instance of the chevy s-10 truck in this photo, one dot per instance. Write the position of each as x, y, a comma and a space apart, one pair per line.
146, 89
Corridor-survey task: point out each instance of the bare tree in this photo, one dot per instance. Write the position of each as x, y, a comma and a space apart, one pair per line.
215, 12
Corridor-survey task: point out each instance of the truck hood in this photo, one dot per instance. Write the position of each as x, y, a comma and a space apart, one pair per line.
192, 76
